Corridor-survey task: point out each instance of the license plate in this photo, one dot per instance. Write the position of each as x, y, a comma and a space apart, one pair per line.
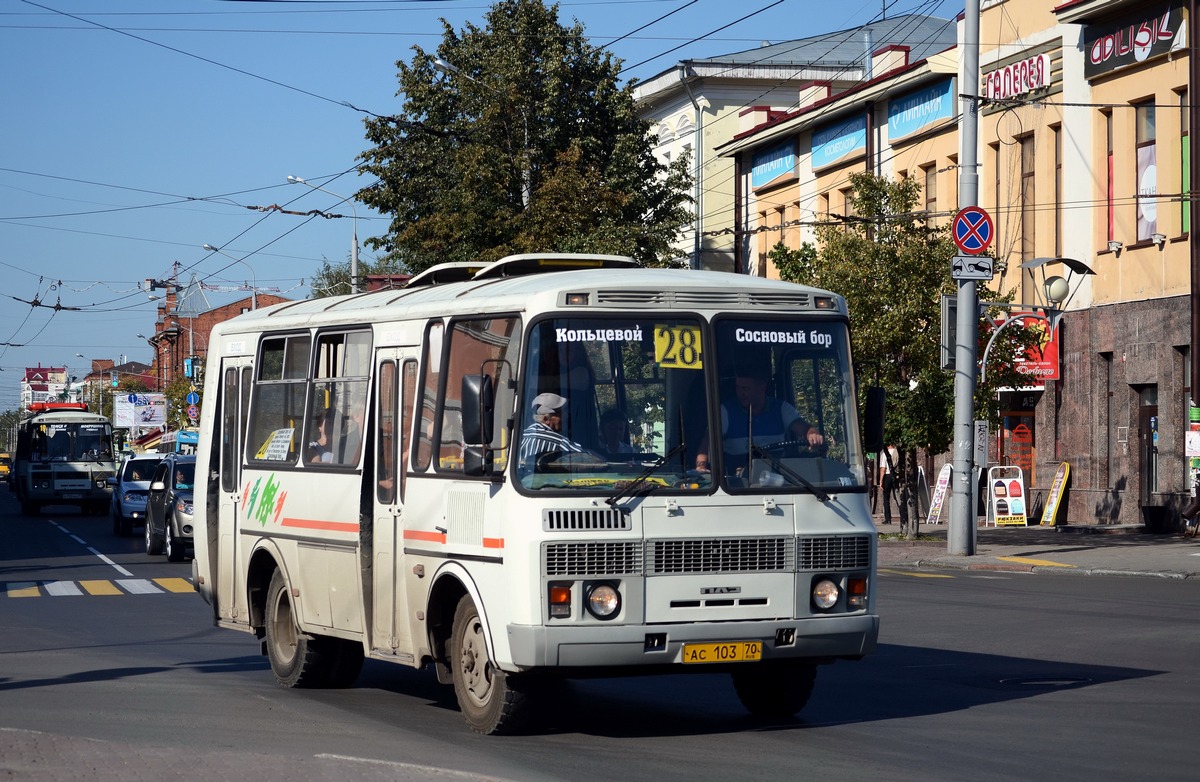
72, 495
727, 652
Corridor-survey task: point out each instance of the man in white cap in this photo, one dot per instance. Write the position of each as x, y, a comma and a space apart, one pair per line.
544, 434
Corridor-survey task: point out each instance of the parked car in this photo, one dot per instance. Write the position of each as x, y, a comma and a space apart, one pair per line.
130, 486
169, 507
5, 467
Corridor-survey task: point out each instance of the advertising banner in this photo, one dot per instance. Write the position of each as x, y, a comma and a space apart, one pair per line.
1006, 497
1056, 492
139, 410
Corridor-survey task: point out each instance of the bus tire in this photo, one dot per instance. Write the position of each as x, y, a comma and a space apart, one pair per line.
775, 690
296, 659
492, 701
30, 508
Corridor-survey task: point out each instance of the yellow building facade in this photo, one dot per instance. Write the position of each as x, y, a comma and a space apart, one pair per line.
1083, 112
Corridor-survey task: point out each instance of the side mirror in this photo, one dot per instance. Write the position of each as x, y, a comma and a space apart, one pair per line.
873, 420
478, 409
477, 460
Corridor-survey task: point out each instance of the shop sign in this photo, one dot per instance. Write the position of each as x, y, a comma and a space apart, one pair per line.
1041, 362
1006, 492
916, 111
1018, 78
774, 164
839, 141
1135, 38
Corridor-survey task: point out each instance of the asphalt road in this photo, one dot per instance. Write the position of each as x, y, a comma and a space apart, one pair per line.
979, 676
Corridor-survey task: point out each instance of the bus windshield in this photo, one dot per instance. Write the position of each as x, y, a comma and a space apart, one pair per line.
70, 441
614, 401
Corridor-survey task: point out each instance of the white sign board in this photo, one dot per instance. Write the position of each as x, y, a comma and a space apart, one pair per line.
139, 410
1007, 499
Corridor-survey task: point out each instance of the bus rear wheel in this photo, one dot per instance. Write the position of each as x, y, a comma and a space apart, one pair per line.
775, 690
492, 701
297, 660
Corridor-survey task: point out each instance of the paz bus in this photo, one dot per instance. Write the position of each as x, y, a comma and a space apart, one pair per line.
64, 457
366, 494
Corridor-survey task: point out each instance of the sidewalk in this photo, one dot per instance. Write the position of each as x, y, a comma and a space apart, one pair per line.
1077, 550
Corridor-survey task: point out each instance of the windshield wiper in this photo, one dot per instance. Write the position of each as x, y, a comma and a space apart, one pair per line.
643, 476
789, 472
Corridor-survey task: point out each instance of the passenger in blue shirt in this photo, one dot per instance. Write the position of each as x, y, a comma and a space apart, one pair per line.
754, 415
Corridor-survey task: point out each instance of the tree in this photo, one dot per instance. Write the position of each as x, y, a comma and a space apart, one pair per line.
527, 144
893, 265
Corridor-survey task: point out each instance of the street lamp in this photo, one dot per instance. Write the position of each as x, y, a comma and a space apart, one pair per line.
295, 180
253, 279
449, 69
156, 363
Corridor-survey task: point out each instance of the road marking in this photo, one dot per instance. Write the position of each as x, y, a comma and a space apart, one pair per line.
175, 584
100, 587
97, 587
62, 588
23, 589
1038, 562
138, 586
914, 575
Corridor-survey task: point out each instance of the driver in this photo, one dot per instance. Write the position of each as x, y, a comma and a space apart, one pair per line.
753, 414
544, 434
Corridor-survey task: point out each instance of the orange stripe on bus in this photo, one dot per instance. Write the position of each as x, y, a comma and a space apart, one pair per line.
493, 542
416, 534
331, 526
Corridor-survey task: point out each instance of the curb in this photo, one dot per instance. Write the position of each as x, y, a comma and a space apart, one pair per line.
994, 567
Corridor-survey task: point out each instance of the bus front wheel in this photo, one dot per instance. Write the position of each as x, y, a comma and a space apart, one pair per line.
775, 690
296, 659
491, 700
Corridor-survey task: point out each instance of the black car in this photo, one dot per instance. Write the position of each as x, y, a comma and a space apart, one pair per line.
169, 507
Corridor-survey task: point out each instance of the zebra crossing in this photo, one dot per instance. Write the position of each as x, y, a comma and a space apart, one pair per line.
97, 587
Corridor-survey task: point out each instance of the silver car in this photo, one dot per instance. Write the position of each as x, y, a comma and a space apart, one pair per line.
130, 487
169, 507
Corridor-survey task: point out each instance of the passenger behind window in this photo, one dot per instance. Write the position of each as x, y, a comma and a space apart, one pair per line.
320, 446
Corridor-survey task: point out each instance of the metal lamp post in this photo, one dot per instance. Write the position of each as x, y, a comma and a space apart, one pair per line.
354, 288
253, 279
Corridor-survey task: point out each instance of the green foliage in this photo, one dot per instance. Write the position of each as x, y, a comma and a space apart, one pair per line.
534, 114
893, 266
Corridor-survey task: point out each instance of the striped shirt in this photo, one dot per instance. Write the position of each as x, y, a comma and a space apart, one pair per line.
539, 438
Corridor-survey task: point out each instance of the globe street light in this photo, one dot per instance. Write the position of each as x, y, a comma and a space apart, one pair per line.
253, 279
295, 180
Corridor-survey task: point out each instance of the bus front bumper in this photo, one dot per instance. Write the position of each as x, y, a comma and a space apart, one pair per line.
602, 646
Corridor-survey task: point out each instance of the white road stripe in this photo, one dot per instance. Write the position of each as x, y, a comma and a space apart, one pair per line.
62, 588
138, 586
108, 561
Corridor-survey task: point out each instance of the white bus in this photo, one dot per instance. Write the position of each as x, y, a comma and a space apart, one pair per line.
366, 494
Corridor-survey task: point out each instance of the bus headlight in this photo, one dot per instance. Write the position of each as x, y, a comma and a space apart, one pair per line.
603, 601
825, 594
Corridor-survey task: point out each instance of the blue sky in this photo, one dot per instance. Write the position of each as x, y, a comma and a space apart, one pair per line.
136, 131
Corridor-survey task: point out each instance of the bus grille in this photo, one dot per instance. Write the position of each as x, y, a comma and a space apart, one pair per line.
585, 520
744, 555
593, 559
842, 552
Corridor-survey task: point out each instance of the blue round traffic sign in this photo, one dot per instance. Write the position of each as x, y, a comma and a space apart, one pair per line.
972, 230
193, 398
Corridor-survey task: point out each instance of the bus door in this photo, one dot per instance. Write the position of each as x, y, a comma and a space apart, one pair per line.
395, 390
237, 375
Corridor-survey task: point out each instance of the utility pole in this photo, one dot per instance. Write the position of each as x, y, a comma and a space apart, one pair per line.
961, 533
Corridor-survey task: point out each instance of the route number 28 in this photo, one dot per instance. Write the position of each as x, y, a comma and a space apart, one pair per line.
678, 347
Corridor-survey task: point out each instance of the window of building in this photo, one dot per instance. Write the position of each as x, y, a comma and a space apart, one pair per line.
1145, 136
1185, 163
1056, 130
847, 202
929, 177
1109, 194
1028, 200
